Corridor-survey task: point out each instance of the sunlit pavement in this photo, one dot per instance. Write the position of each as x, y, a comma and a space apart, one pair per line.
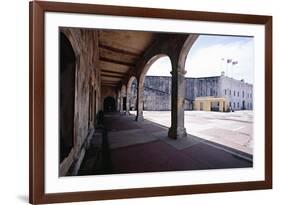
234, 129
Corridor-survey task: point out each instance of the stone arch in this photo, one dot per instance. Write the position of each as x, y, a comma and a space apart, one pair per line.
72, 39
141, 79
185, 50
67, 70
148, 64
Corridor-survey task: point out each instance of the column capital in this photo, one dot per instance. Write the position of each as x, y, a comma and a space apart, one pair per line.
181, 72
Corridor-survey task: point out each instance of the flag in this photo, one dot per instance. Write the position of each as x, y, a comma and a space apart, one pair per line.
234, 62
229, 60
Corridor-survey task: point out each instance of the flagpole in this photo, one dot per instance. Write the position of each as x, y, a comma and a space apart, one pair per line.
229, 60
233, 64
222, 64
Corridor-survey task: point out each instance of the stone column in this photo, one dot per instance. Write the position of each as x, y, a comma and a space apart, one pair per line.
121, 102
177, 129
140, 102
118, 102
221, 106
128, 101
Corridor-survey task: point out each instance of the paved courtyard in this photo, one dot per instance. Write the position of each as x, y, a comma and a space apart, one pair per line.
233, 129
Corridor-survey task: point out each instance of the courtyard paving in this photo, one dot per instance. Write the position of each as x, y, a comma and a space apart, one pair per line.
234, 129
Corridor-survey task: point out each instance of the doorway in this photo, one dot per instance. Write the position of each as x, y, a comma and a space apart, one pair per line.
109, 104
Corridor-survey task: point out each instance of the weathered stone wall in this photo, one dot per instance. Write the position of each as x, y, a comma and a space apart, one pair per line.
87, 93
161, 83
157, 92
156, 100
203, 86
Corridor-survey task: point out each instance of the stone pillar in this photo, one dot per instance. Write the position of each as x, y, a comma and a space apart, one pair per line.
118, 102
140, 101
177, 129
221, 107
121, 102
128, 101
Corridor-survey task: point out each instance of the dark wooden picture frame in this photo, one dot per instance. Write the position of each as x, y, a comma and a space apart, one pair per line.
37, 98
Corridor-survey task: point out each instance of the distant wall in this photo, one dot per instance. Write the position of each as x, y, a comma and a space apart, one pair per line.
157, 92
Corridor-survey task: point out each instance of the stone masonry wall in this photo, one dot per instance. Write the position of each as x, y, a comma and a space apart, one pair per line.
87, 85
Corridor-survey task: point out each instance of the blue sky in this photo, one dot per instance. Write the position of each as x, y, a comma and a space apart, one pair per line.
206, 58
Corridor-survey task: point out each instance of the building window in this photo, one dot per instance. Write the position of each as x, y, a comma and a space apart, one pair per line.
234, 92
224, 91
234, 105
251, 95
248, 95
230, 92
238, 93
238, 105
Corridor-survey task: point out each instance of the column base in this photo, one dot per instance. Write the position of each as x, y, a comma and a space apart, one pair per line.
139, 118
177, 133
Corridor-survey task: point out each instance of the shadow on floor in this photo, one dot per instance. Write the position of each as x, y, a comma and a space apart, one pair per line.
127, 146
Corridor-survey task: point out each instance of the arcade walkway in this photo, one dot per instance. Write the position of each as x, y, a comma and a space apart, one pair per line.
127, 146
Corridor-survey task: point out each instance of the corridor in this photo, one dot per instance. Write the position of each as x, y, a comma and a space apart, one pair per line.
127, 146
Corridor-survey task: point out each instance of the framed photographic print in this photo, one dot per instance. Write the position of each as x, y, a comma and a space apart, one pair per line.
139, 102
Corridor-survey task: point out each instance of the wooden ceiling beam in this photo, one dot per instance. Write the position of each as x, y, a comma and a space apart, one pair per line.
111, 85
111, 76
113, 72
118, 50
116, 61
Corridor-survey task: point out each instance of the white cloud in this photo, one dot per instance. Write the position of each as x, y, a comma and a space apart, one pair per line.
161, 67
206, 60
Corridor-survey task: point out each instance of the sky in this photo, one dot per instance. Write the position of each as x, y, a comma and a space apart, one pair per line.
208, 57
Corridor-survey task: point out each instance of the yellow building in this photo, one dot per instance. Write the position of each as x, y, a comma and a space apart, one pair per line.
211, 103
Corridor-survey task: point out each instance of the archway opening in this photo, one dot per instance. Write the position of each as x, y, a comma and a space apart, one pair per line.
156, 82
220, 73
66, 95
109, 104
157, 86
